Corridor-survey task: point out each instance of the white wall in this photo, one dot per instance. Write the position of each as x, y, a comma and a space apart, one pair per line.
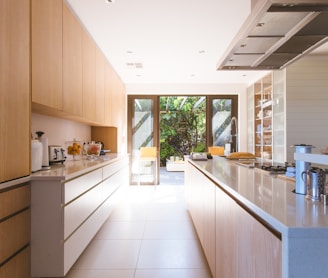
58, 130
201, 89
307, 103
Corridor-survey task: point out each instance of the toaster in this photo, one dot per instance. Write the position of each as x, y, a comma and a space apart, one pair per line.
56, 154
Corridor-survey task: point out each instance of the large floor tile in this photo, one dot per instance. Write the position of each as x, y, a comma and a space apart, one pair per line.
122, 230
168, 212
90, 273
172, 273
129, 214
169, 230
110, 254
171, 254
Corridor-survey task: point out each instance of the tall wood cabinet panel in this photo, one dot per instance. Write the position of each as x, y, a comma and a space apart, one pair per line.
201, 203
100, 86
109, 91
254, 238
14, 89
72, 63
89, 76
47, 54
226, 234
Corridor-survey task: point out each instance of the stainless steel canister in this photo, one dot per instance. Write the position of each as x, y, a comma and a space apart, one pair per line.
316, 181
301, 166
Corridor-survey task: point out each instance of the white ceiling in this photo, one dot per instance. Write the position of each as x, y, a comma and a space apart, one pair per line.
167, 42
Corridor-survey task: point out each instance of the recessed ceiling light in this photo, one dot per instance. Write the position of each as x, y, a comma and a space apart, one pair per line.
260, 24
201, 51
109, 1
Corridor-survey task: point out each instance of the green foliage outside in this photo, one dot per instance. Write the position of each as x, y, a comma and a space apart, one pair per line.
182, 126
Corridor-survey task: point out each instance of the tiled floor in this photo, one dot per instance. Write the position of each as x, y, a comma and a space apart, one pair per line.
149, 235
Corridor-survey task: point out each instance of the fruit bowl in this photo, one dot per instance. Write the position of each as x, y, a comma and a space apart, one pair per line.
74, 149
93, 149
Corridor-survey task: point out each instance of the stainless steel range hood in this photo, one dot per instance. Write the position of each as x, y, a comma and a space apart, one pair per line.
276, 33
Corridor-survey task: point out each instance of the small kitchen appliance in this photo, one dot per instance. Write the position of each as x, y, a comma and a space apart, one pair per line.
316, 180
301, 166
56, 154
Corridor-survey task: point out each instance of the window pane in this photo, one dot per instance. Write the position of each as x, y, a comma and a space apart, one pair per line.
224, 129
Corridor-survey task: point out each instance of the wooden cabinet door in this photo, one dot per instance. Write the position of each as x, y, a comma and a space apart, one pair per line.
209, 221
109, 99
14, 89
47, 54
89, 77
18, 266
259, 249
100, 86
226, 235
72, 63
15, 232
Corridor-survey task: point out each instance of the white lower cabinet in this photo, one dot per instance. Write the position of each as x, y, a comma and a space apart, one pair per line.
66, 215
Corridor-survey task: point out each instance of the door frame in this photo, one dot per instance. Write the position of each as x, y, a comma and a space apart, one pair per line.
155, 99
209, 113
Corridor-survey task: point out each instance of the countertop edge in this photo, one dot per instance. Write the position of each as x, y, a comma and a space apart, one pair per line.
77, 168
285, 230
12, 183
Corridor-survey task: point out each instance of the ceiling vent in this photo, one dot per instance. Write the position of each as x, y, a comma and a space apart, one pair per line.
132, 65
275, 34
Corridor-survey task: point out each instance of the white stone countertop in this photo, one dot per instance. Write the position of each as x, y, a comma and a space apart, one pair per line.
269, 197
74, 168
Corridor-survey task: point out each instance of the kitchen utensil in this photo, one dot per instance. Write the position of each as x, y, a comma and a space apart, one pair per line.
301, 166
316, 180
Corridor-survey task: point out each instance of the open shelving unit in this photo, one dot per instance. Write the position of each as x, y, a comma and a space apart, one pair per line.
263, 118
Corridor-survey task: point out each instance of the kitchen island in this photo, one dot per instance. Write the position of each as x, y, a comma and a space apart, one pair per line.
260, 227
69, 204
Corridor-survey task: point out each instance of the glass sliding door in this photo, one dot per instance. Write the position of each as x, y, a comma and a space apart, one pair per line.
142, 132
222, 125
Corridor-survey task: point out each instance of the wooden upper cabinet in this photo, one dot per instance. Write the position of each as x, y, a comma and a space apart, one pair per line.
100, 86
118, 98
89, 77
47, 67
72, 63
109, 73
14, 89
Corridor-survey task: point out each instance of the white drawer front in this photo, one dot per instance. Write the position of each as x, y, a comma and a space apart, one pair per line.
79, 210
112, 168
76, 187
75, 245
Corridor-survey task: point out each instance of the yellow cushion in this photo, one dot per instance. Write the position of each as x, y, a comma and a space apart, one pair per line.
148, 152
216, 150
